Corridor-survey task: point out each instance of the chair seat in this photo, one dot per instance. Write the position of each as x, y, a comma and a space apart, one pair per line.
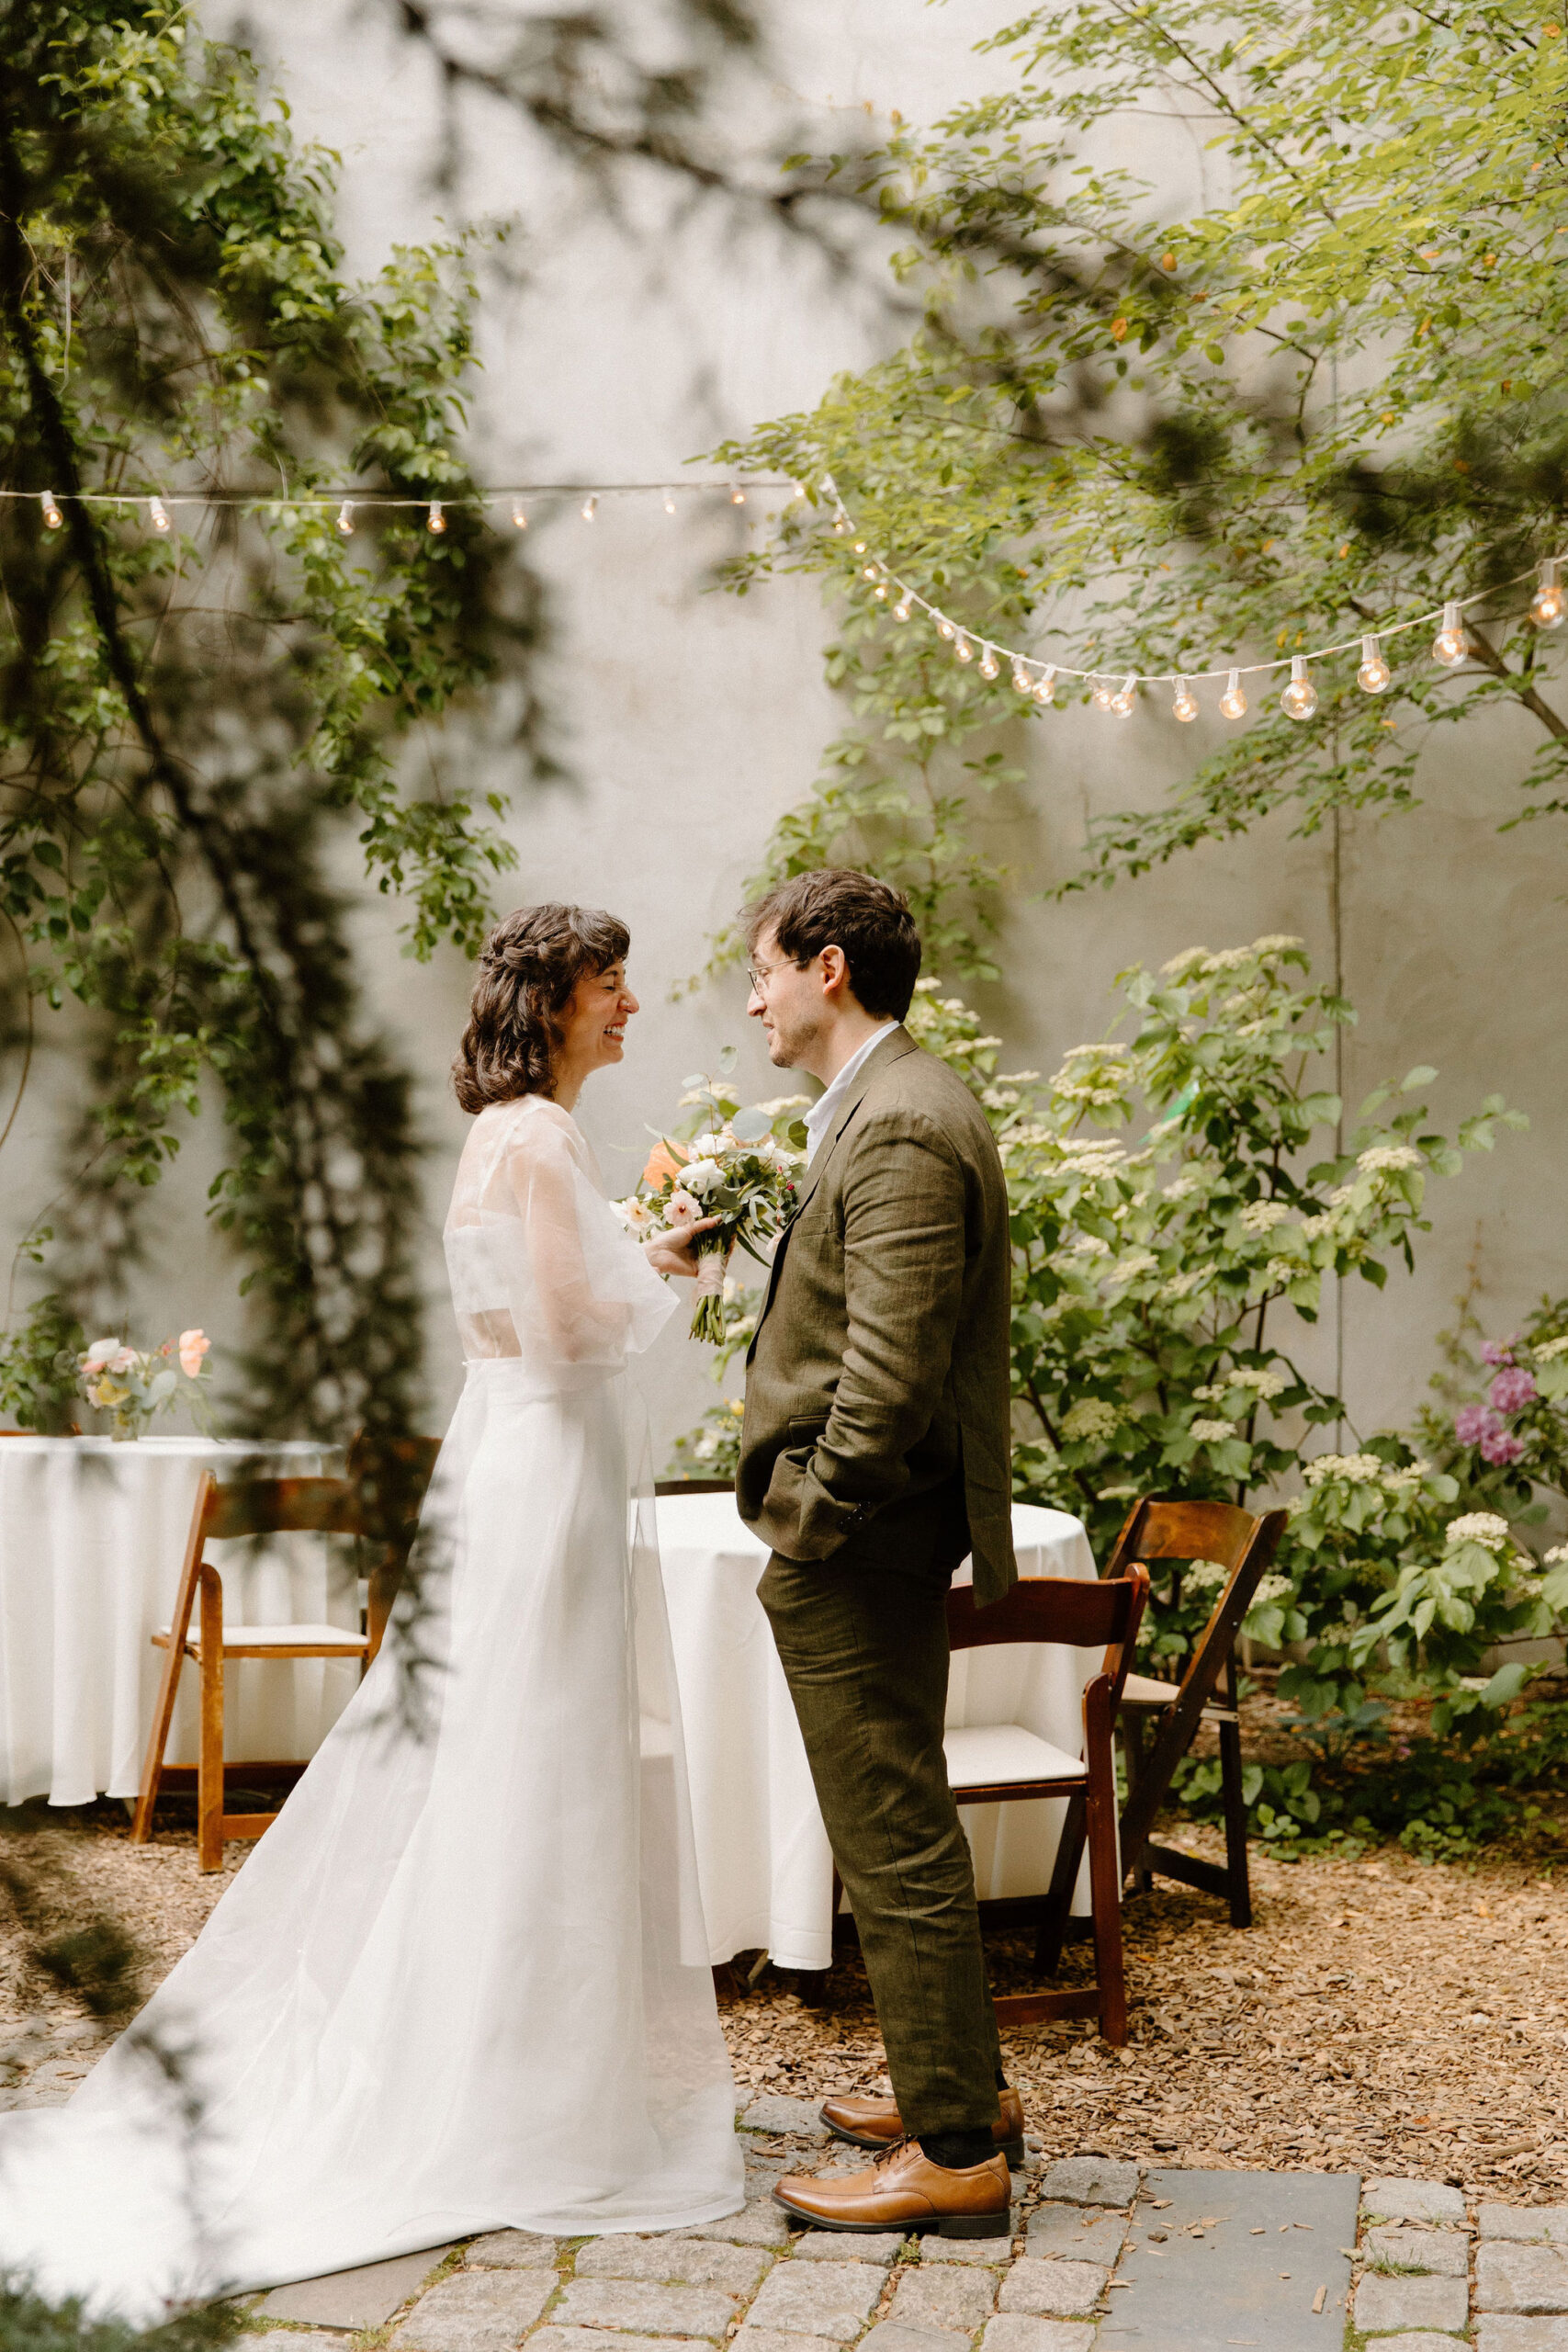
256, 1640
983, 1755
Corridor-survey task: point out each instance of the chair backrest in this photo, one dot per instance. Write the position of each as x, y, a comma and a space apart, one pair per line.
1174, 1529
281, 1507
390, 1475
694, 1486
1067, 1610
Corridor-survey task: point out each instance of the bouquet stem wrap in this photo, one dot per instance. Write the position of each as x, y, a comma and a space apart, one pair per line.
713, 1257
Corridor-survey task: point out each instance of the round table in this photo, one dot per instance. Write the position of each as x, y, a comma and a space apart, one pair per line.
764, 1862
93, 1536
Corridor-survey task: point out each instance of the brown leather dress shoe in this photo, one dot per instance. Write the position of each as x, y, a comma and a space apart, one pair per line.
875, 2123
904, 2191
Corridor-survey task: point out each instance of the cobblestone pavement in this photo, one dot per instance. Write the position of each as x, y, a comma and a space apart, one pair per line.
1430, 2272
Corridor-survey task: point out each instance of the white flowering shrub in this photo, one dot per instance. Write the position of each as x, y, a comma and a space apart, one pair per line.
1175, 1191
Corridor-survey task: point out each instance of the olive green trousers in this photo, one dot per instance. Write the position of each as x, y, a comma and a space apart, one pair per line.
862, 1639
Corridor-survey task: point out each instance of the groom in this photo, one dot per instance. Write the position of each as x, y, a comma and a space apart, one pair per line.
874, 1456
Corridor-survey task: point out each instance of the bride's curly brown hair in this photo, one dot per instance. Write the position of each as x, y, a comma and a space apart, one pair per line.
529, 967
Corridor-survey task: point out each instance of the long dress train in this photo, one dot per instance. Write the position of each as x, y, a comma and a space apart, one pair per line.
462, 1982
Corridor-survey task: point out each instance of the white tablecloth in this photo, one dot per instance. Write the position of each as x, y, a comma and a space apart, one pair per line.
92, 1539
762, 1855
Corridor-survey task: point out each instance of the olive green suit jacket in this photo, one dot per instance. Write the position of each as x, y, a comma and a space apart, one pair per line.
879, 1371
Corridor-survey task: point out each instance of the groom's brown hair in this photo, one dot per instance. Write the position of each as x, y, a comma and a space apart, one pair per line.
837, 906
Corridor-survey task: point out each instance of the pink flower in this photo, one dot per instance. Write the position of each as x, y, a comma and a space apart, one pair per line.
194, 1345
1499, 1351
99, 1354
1502, 1446
1512, 1387
1474, 1422
680, 1208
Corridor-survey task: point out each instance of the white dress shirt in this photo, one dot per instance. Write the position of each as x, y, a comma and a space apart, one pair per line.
819, 1118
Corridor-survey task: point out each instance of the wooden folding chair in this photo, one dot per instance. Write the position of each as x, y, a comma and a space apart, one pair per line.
1002, 1763
1244, 1546
358, 1507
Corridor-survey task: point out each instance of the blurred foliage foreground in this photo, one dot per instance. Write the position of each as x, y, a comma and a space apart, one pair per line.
1180, 1192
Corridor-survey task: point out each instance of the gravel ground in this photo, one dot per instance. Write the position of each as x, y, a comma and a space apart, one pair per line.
1381, 2015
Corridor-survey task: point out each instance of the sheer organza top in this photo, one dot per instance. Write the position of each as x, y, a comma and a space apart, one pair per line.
541, 1269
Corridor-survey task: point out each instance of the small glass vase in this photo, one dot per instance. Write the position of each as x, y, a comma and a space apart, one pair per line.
127, 1427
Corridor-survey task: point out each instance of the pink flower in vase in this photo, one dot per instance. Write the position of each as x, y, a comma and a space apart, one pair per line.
194, 1345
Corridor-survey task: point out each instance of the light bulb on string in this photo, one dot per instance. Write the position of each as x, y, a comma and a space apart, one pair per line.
839, 526
737, 496
868, 572
1184, 701
1299, 699
988, 663
1020, 678
1374, 673
51, 514
880, 592
944, 628
1550, 602
1045, 690
962, 649
860, 547
1100, 693
669, 504
1448, 645
1122, 702
519, 515
797, 490
345, 519
903, 608
435, 520
157, 515
589, 508
1233, 702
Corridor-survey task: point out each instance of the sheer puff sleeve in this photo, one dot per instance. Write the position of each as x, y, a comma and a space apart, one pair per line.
541, 1267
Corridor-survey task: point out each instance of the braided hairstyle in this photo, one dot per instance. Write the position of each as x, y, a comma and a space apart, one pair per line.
529, 967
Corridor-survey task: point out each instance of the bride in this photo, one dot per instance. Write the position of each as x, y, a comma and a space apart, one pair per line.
462, 1984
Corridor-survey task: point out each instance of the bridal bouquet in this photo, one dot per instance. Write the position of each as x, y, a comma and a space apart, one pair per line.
134, 1384
740, 1165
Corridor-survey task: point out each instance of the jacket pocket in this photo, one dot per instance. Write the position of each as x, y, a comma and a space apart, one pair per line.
803, 1425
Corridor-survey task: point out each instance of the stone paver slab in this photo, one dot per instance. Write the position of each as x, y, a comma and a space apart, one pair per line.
683, 2262
1413, 2201
1549, 2222
648, 2309
895, 2336
1091, 2236
1052, 2289
1013, 2332
1382, 2304
1497, 2333
770, 2339
993, 2251
1091, 2180
1197, 2279
776, 2113
832, 2300
1514, 2277
598, 2339
353, 2299
1443, 2252
479, 2311
759, 2224
512, 2250
944, 2294
1423, 2340
849, 2245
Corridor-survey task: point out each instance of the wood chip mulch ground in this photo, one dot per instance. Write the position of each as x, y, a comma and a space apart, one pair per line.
1381, 2015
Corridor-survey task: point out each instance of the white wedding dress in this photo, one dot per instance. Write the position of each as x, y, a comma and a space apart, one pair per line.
462, 1984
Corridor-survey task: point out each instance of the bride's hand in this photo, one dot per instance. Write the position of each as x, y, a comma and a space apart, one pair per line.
676, 1253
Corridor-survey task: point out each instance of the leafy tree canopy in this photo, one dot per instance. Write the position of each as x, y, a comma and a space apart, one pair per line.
1134, 441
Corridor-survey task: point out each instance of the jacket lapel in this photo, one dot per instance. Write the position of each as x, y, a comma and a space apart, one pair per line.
891, 1049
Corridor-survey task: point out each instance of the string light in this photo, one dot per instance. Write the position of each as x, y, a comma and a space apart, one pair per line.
1233, 702
868, 572
903, 608
1046, 690
157, 515
944, 629
345, 519
1184, 704
589, 508
860, 547
1549, 604
839, 526
1100, 694
520, 514
963, 647
737, 496
1019, 677
1374, 673
51, 514
880, 592
1121, 703
1300, 697
988, 663
435, 521
1448, 646
669, 504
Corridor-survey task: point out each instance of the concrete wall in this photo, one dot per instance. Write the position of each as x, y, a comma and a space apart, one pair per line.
690, 721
